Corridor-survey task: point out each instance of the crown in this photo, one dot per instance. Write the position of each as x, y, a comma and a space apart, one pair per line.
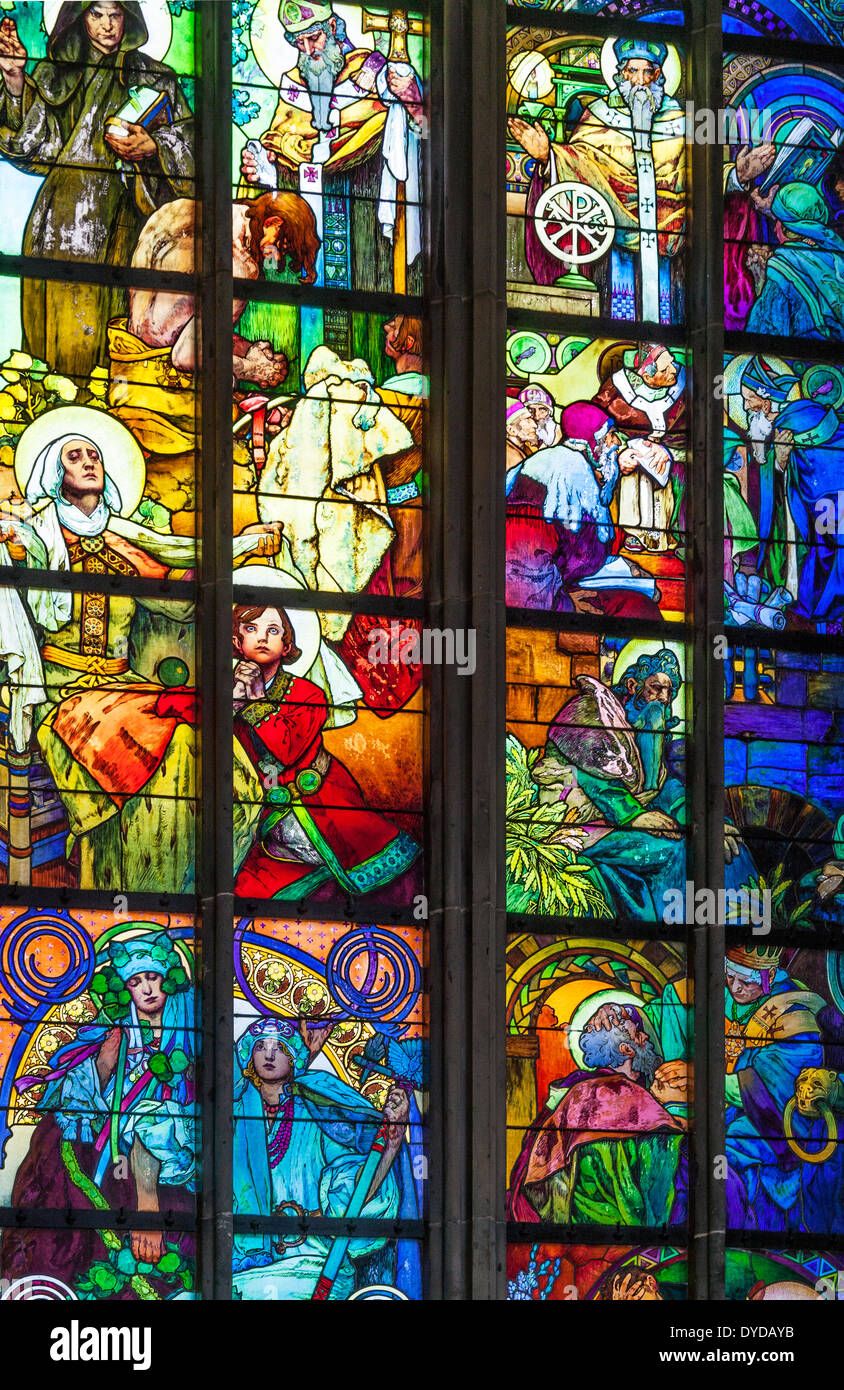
755, 957
296, 17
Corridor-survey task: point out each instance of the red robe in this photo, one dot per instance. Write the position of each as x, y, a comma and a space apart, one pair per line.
359, 848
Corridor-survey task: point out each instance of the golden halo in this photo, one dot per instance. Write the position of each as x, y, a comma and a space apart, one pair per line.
646, 646
304, 621
273, 54
156, 17
119, 449
527, 67
731, 385
671, 70
590, 1005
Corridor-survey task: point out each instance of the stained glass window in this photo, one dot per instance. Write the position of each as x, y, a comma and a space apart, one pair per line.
165, 753
620, 836
421, 704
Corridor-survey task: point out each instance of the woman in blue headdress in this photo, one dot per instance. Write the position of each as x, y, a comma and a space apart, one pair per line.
812, 481
301, 1140
117, 1124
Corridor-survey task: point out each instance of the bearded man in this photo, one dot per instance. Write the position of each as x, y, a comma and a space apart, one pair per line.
755, 510
344, 108
630, 148
559, 529
603, 1149
647, 691
646, 399
531, 424
772, 1034
610, 763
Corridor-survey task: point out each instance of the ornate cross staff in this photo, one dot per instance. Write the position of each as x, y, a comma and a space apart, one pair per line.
398, 25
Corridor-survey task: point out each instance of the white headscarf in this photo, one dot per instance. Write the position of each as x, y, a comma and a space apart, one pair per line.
46, 480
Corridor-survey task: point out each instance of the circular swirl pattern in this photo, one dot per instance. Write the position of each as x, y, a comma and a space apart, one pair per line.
383, 1293
29, 987
40, 1287
391, 983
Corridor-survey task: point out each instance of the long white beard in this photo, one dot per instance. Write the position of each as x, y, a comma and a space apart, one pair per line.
319, 74
761, 426
546, 431
761, 429
642, 102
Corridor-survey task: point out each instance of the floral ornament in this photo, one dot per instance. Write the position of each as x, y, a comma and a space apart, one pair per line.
16, 363
244, 109
98, 387
241, 17
61, 386
152, 514
122, 960
106, 1278
30, 389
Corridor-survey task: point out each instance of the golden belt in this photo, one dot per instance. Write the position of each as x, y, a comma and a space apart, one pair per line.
92, 665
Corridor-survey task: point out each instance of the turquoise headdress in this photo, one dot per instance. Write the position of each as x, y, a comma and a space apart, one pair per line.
122, 958
648, 49
286, 1034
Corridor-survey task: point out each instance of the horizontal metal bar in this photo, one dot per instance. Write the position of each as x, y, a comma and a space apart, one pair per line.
579, 325
549, 1233
318, 297
90, 273
74, 581
519, 924
808, 643
784, 1241
598, 625
22, 895
327, 601
814, 936
264, 291
330, 1226
62, 1218
569, 21
347, 912
793, 349
789, 50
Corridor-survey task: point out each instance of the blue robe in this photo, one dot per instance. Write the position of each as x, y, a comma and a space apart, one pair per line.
331, 1133
161, 1115
812, 481
756, 1146
802, 296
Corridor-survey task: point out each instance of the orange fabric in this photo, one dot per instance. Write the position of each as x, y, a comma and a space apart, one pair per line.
141, 563
598, 1107
115, 734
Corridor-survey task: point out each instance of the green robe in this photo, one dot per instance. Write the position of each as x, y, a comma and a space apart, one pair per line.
618, 1182
86, 210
